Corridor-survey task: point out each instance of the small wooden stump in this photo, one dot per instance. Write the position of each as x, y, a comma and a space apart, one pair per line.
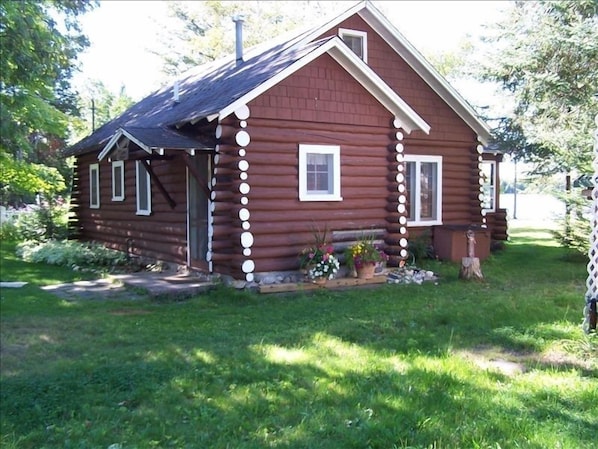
470, 268
470, 265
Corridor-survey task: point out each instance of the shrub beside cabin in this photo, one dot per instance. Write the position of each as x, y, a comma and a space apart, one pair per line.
345, 126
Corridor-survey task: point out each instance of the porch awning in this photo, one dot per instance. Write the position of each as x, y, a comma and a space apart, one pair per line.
156, 139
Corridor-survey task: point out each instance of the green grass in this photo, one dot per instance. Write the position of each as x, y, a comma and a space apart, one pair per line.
396, 366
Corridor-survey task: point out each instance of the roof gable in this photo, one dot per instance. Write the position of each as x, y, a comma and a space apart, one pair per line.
359, 70
217, 89
399, 43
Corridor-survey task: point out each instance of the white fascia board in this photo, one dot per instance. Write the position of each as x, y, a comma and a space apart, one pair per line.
425, 70
363, 74
108, 147
356, 68
141, 145
117, 135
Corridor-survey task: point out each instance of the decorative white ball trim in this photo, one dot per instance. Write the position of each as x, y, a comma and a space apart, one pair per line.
248, 266
242, 138
242, 112
246, 239
244, 214
244, 188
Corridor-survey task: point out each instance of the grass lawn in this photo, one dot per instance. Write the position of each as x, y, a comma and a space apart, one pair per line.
501, 363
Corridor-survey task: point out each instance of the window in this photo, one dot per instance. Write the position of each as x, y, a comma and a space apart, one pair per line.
424, 189
118, 181
356, 41
319, 173
144, 190
94, 186
489, 185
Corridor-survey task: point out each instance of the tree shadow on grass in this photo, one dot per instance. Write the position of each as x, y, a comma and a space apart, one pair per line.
329, 370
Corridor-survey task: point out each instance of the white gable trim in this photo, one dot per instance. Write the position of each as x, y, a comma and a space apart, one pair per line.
414, 59
424, 69
117, 135
358, 69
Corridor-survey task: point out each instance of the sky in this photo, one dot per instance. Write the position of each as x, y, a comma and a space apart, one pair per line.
121, 34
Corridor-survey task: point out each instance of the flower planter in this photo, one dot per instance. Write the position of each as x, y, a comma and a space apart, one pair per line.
366, 271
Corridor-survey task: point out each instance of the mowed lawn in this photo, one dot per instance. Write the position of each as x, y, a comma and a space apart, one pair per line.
501, 363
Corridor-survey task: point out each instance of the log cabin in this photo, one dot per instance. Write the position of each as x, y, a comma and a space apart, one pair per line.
345, 126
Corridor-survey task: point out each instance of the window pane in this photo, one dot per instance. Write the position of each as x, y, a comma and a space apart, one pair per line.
355, 44
319, 172
411, 191
94, 186
142, 188
118, 187
488, 178
428, 191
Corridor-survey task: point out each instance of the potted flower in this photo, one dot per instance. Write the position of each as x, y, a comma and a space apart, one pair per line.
363, 256
318, 261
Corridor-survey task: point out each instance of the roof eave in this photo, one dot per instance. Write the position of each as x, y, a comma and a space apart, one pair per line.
409, 119
358, 69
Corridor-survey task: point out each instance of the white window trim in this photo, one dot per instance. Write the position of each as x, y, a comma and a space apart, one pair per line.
116, 164
438, 160
94, 196
140, 211
361, 34
493, 208
335, 151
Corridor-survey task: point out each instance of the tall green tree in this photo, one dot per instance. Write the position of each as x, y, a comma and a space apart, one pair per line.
544, 54
39, 43
98, 105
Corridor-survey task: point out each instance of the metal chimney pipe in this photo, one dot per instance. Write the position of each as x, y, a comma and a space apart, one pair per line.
238, 19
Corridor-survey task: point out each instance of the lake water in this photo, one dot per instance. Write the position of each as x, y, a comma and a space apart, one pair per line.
534, 208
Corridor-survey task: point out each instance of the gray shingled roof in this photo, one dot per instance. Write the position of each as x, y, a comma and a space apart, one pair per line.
202, 92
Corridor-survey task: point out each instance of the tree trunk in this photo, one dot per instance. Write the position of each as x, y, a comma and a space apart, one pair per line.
470, 269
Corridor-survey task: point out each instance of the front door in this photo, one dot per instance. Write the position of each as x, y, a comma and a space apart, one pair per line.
198, 210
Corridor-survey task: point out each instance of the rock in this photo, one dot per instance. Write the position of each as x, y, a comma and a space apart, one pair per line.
238, 284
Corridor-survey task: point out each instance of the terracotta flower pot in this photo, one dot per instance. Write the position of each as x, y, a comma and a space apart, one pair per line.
366, 271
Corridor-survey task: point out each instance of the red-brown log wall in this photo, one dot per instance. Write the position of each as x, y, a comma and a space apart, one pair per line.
449, 136
162, 235
319, 104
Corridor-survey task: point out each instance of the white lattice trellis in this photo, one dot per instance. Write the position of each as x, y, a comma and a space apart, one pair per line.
589, 322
